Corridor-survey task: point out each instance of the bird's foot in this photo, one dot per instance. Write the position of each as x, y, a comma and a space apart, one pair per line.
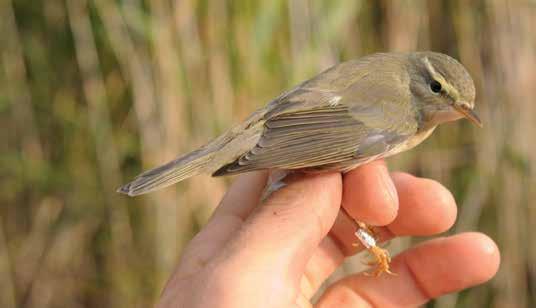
382, 262
382, 259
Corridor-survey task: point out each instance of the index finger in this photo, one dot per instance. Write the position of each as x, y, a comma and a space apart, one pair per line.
426, 271
369, 194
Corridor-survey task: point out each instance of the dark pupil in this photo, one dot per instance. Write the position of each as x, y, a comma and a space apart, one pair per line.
435, 86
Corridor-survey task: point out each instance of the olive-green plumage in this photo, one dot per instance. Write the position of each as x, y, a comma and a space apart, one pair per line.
350, 114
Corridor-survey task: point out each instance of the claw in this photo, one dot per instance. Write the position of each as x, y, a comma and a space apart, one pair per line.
382, 259
382, 262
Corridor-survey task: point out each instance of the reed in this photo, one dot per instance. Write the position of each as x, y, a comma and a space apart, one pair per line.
94, 91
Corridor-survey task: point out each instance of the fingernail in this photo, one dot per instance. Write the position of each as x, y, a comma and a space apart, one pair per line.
390, 187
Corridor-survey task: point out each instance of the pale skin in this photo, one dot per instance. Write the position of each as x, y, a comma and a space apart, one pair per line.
279, 254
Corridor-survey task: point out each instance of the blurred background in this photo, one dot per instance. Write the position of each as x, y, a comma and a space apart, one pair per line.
92, 92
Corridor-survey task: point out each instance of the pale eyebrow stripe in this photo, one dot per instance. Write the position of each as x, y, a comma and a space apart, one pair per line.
451, 91
430, 68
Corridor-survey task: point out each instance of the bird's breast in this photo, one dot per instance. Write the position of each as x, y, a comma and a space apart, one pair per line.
411, 142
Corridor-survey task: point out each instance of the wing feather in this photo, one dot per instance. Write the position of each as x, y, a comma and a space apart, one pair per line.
312, 127
303, 139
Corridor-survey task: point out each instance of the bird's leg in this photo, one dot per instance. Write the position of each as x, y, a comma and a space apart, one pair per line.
274, 183
368, 239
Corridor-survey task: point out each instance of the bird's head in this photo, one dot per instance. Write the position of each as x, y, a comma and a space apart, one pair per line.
443, 89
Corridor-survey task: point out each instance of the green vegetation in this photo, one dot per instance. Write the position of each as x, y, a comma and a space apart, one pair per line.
94, 91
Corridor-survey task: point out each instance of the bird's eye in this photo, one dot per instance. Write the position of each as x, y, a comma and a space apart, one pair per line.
435, 86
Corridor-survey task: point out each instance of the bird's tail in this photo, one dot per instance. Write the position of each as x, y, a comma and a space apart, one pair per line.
191, 164
207, 159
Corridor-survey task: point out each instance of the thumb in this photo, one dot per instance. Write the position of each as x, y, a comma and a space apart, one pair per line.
282, 233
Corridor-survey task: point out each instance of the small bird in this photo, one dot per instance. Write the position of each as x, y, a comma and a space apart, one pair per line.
350, 114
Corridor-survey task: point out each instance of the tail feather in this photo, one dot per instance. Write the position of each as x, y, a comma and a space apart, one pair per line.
175, 171
209, 158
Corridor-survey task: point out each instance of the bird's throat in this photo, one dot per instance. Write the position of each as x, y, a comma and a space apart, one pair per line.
437, 117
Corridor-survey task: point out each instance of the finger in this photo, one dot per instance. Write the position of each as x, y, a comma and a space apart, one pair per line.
429, 270
242, 196
238, 202
283, 233
426, 208
369, 194
326, 258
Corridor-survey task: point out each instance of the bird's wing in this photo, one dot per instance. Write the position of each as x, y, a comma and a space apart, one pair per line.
312, 127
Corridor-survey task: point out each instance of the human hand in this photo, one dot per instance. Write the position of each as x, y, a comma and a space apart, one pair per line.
278, 254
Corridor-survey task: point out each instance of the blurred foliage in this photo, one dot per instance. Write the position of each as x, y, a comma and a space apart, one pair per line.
94, 91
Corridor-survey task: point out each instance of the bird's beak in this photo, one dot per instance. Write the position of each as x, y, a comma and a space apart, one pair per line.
468, 113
